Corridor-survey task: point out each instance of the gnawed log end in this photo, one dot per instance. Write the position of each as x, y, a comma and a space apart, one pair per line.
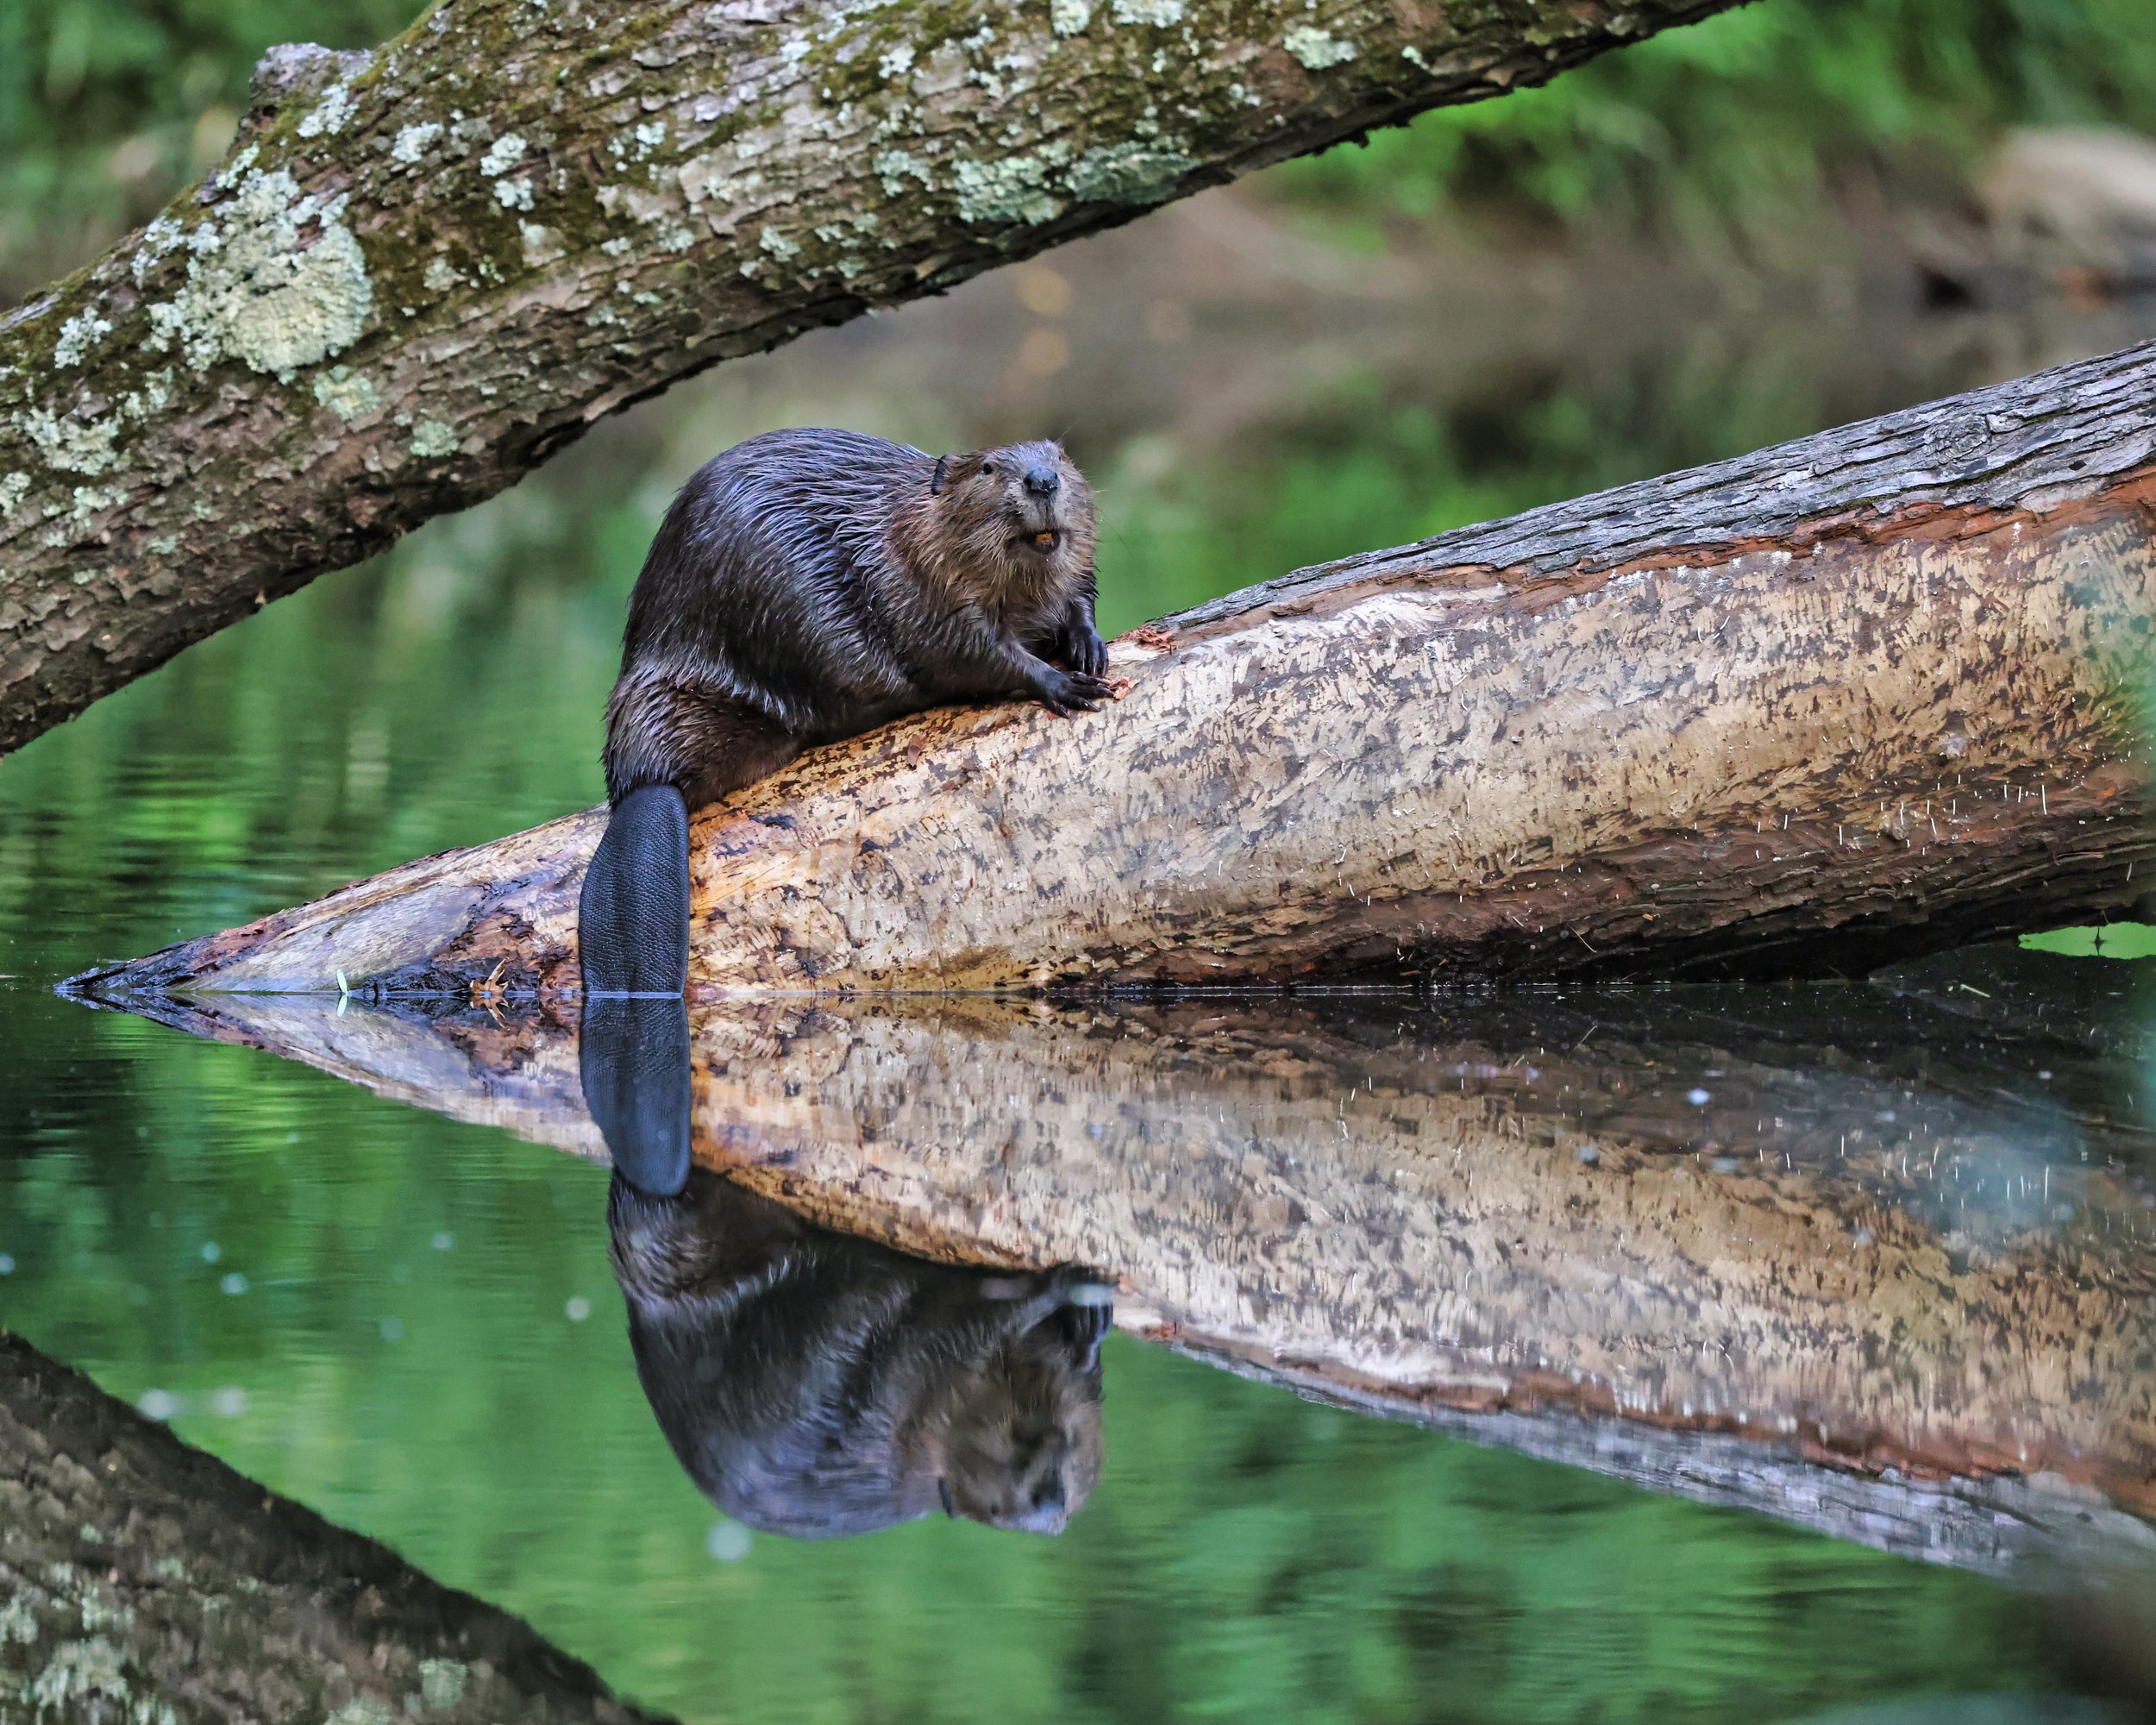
494, 920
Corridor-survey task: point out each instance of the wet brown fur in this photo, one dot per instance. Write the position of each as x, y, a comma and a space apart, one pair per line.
807, 585
815, 1384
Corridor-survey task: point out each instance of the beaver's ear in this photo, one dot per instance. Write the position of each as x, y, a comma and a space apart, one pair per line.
937, 484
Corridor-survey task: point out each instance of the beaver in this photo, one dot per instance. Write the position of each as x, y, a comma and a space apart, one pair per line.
814, 1384
807, 585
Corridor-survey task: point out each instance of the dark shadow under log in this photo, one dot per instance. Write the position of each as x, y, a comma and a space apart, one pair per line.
141, 1580
1844, 1255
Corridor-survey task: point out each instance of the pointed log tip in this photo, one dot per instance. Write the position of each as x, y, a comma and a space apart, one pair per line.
126, 984
490, 920
123, 984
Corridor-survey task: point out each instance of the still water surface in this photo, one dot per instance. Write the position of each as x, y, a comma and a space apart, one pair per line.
410, 1323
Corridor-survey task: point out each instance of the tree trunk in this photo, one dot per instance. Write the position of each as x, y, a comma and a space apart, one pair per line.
1875, 691
1835, 1254
424, 270
141, 1580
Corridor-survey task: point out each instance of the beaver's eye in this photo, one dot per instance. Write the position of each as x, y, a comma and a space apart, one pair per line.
989, 468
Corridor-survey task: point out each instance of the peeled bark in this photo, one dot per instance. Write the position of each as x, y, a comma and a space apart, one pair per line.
1838, 1255
1871, 692
424, 270
141, 1579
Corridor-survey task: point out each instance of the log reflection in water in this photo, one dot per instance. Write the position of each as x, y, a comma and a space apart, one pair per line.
1833, 1253
815, 1384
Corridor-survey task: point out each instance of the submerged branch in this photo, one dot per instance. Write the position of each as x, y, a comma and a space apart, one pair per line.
142, 1580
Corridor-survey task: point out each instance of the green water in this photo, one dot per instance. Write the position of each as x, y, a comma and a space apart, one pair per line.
409, 1324
407, 1353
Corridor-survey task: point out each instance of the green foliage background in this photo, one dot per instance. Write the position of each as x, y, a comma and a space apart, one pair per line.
109, 107
1739, 132
1248, 1557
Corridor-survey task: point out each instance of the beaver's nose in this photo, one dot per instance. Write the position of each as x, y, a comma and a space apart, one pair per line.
1043, 481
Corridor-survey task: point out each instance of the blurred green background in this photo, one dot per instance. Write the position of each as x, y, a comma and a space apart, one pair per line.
1743, 133
1685, 251
1737, 134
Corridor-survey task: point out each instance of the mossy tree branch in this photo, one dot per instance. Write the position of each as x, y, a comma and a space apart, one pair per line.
423, 271
141, 1579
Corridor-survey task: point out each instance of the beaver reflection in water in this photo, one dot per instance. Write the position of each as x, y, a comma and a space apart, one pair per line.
815, 1385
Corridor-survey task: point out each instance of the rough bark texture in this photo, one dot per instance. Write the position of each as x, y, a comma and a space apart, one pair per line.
422, 271
144, 1583
1839, 1256
1874, 692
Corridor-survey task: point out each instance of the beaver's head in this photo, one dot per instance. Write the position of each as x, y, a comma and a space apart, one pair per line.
1022, 1450
1024, 509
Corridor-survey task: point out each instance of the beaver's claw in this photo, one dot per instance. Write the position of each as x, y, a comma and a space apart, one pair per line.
1066, 693
1085, 652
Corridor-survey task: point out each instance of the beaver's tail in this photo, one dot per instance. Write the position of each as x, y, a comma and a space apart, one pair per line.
675, 734
633, 935
632, 919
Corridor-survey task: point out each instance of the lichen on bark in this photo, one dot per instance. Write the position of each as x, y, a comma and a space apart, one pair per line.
145, 1582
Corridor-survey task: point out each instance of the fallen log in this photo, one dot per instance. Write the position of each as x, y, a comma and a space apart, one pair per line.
1785, 1258
141, 1580
423, 271
1871, 692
